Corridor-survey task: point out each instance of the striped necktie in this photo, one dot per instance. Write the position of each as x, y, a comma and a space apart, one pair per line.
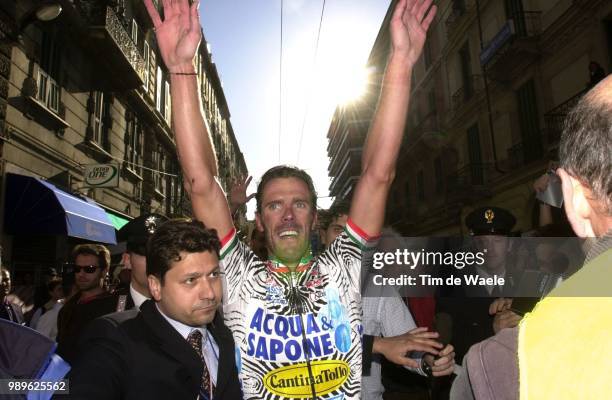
206, 386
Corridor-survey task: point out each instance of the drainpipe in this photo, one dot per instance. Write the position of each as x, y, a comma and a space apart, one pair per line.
487, 96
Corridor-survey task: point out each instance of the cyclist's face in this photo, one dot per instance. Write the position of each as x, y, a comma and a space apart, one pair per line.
286, 217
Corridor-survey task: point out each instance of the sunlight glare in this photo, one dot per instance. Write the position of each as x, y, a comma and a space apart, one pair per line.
340, 73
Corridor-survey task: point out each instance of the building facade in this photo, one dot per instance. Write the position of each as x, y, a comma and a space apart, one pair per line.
489, 97
89, 88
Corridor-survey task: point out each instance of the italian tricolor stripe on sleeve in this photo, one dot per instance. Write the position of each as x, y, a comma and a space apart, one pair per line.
358, 235
228, 242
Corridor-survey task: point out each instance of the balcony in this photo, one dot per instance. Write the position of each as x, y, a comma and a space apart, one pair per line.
454, 20
555, 119
351, 168
472, 86
524, 153
427, 132
100, 30
514, 47
469, 183
353, 136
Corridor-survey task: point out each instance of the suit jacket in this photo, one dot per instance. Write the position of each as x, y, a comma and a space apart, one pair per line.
129, 301
139, 355
74, 317
16, 315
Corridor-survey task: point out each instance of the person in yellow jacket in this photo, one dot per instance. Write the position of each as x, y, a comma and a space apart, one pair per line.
563, 349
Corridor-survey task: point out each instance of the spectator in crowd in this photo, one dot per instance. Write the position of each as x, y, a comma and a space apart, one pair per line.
8, 310
89, 264
135, 235
47, 322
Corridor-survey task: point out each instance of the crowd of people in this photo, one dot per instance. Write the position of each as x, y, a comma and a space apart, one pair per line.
206, 315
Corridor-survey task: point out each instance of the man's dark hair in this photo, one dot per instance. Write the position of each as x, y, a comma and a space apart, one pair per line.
94, 250
334, 212
53, 283
585, 148
175, 236
285, 171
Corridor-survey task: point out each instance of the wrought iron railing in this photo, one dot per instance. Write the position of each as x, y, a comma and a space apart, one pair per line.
473, 85
474, 174
555, 118
527, 23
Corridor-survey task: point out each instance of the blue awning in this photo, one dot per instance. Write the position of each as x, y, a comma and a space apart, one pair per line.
33, 206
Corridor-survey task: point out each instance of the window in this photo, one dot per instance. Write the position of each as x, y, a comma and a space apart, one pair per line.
152, 71
459, 6
135, 32
173, 198
133, 144
159, 161
159, 90
421, 185
146, 69
466, 71
48, 90
166, 102
529, 121
438, 175
99, 108
47, 74
97, 117
432, 102
515, 12
162, 99
137, 192
475, 155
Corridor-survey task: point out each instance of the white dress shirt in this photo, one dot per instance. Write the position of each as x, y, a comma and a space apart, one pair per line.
210, 350
137, 297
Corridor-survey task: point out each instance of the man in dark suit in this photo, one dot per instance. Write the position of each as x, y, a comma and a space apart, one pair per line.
175, 346
135, 235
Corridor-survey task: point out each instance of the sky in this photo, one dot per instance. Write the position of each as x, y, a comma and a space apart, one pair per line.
245, 41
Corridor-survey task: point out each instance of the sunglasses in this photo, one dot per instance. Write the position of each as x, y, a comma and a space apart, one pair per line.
90, 269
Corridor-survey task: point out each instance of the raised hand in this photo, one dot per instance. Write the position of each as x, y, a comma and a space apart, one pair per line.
237, 195
409, 26
179, 34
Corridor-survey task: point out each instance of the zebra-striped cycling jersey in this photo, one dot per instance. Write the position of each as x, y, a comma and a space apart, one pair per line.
296, 333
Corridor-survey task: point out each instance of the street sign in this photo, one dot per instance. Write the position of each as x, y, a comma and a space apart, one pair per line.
102, 175
500, 39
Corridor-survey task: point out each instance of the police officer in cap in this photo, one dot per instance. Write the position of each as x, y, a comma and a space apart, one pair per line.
490, 227
135, 234
470, 308
490, 221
